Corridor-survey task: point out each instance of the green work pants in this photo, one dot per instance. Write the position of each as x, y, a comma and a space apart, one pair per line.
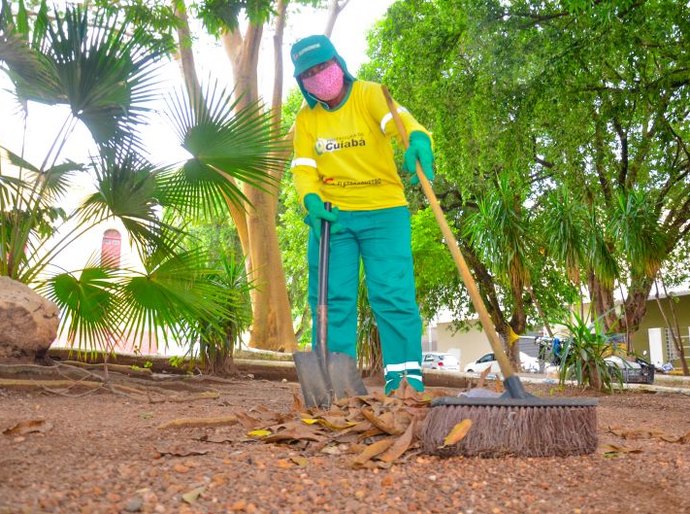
380, 239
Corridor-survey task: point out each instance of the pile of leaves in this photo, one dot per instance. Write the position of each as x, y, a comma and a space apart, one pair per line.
376, 430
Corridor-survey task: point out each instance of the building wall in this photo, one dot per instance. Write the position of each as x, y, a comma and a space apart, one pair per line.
654, 319
468, 346
88, 250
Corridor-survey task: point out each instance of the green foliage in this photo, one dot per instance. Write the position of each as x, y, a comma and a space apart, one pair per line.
107, 77
583, 117
563, 219
419, 53
291, 106
86, 300
220, 139
176, 361
220, 15
436, 278
582, 357
214, 343
214, 340
499, 230
128, 188
157, 18
637, 229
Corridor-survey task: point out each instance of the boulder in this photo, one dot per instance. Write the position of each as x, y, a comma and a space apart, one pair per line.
28, 323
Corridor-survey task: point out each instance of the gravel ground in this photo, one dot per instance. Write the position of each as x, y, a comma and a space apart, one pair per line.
105, 453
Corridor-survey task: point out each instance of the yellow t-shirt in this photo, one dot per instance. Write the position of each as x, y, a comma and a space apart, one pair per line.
345, 156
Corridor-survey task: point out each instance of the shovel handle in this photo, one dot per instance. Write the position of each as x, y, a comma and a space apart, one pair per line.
452, 243
322, 299
324, 252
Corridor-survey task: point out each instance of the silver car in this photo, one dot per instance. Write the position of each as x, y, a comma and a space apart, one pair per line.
439, 360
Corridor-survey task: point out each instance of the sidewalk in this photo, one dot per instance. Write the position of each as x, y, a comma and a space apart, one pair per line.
662, 383
277, 370
272, 370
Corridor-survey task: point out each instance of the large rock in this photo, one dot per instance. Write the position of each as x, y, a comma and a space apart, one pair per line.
28, 323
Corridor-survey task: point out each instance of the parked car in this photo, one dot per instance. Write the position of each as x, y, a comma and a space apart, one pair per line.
630, 371
439, 360
529, 364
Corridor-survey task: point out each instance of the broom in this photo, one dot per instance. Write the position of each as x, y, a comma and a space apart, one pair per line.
515, 423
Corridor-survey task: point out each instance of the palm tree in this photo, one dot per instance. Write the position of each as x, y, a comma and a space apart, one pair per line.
634, 224
498, 231
104, 69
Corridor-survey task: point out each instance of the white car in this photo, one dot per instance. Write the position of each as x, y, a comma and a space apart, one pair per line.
439, 360
529, 364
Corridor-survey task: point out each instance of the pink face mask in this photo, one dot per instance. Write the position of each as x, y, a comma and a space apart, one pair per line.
326, 84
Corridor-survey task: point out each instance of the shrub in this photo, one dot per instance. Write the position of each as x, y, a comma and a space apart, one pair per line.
583, 354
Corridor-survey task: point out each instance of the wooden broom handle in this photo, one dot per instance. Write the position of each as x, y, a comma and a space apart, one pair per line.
452, 243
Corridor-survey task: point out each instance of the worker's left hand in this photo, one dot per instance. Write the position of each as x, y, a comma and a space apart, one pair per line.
419, 150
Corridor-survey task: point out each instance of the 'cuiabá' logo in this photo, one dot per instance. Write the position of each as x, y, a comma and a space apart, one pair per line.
332, 145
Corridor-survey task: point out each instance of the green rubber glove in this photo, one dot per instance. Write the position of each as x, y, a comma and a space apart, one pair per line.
317, 212
419, 150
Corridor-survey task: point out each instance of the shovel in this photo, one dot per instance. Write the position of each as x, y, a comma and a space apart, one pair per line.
326, 376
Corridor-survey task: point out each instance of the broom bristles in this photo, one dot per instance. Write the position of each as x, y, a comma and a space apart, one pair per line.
499, 431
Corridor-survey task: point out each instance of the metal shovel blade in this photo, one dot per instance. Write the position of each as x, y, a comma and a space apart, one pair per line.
342, 372
345, 377
312, 379
324, 376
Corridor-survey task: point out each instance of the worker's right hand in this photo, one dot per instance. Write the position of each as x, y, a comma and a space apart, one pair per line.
317, 212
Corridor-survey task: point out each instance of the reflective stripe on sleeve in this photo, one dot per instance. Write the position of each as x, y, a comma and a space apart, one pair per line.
303, 161
388, 117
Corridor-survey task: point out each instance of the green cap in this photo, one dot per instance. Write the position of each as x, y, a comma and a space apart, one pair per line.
310, 51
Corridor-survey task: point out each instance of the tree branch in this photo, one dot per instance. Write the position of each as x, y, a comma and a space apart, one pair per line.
334, 9
623, 138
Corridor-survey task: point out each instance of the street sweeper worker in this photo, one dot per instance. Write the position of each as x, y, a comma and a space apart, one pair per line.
343, 155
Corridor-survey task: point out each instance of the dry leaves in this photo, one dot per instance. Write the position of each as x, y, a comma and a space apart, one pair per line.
193, 495
457, 433
649, 434
28, 427
482, 377
180, 451
199, 422
614, 450
377, 429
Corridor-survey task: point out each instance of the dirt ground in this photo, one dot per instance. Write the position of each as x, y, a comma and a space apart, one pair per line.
105, 452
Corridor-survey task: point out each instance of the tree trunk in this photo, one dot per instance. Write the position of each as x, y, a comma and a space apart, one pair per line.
517, 323
272, 328
635, 306
185, 53
334, 8
193, 87
594, 377
272, 320
487, 289
540, 311
602, 304
277, 100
